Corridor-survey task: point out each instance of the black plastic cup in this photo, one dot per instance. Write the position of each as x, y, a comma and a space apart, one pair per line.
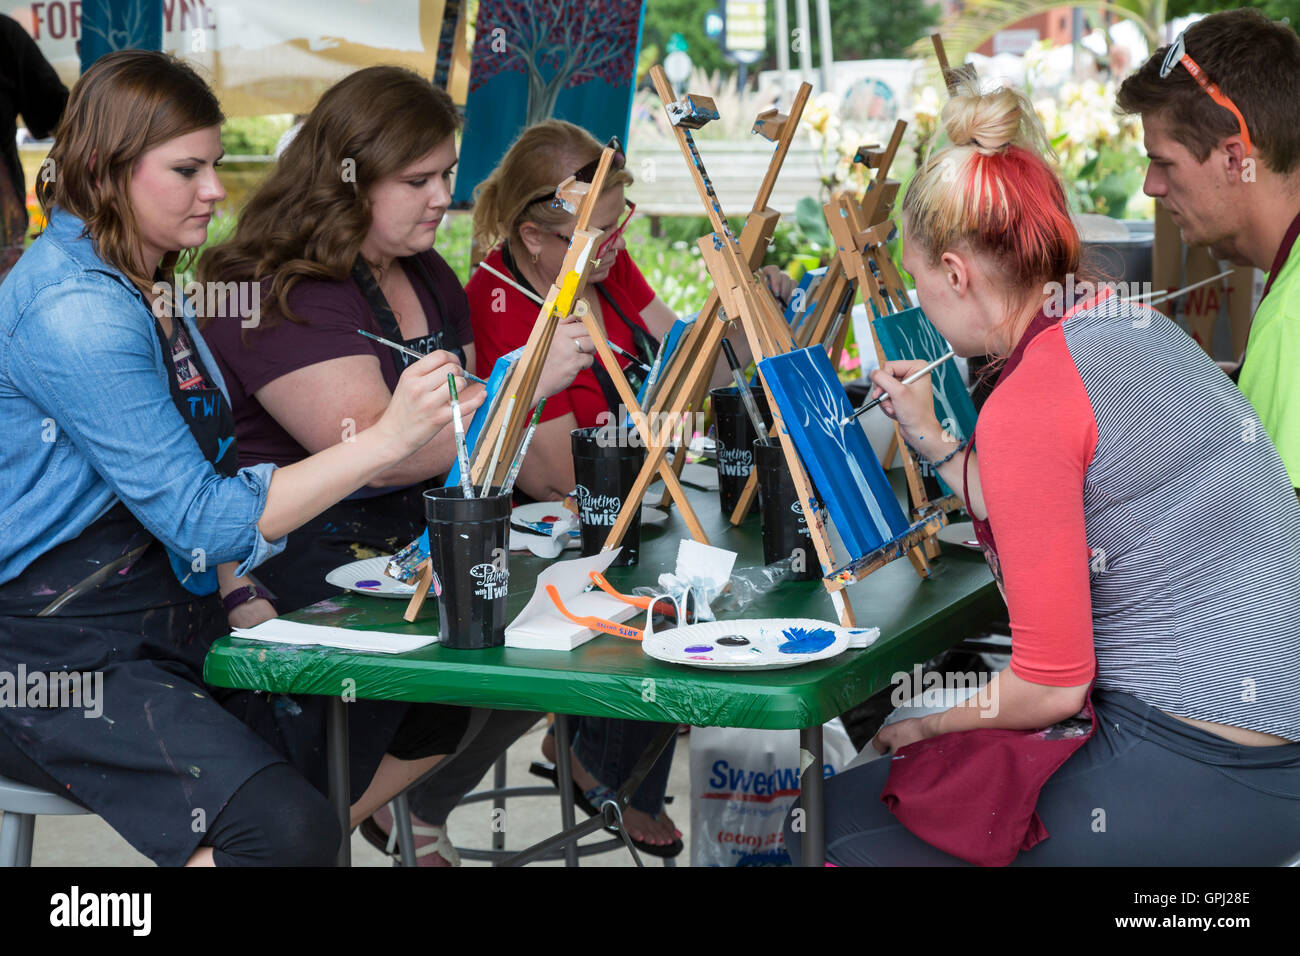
735, 435
785, 529
606, 461
469, 539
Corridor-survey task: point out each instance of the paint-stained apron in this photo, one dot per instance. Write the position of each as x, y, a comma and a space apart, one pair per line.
166, 751
370, 522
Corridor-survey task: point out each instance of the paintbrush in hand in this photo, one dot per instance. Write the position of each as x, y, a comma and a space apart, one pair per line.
914, 377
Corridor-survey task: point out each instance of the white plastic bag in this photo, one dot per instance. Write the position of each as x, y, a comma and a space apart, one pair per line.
743, 783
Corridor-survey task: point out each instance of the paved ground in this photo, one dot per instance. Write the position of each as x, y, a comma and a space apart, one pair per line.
88, 841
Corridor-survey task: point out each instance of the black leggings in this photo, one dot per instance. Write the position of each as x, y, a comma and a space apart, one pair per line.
277, 818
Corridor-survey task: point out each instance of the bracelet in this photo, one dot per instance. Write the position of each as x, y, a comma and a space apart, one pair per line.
242, 595
947, 457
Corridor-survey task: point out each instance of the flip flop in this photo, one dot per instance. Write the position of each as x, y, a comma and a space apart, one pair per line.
386, 843
590, 801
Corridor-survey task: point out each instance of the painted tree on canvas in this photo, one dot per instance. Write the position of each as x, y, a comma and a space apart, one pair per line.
557, 44
925, 342
825, 412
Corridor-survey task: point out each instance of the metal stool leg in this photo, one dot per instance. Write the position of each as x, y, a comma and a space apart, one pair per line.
9, 824
564, 769
26, 833
400, 807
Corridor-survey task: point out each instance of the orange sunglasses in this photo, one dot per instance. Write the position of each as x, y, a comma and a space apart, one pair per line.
662, 606
1178, 54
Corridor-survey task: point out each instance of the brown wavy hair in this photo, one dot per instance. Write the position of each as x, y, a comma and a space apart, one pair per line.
123, 106
541, 157
309, 218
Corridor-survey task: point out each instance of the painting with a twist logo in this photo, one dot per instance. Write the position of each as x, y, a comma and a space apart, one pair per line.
797, 508
734, 462
599, 510
491, 581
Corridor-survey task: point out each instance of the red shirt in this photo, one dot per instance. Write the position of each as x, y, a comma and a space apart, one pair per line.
503, 318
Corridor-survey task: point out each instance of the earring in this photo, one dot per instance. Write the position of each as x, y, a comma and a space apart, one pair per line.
534, 257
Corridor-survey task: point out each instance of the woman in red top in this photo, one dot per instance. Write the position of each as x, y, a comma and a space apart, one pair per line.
513, 216
1145, 536
513, 213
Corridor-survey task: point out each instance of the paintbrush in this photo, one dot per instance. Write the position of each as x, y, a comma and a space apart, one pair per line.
743, 389
414, 354
462, 452
538, 299
914, 377
496, 452
509, 484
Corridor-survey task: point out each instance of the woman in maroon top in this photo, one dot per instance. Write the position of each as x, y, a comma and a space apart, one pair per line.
340, 238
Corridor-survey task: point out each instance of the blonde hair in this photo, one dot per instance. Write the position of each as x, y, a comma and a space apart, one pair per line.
993, 190
538, 160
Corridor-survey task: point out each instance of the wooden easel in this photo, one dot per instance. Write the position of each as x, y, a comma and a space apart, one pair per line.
743, 298
684, 383
755, 237
836, 291
562, 302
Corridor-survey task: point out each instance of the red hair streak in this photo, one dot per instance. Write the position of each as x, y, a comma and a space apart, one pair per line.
1016, 209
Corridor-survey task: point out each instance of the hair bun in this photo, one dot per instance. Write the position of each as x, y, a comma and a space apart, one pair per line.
990, 122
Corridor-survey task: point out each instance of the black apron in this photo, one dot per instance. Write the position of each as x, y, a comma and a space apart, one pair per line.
371, 522
166, 751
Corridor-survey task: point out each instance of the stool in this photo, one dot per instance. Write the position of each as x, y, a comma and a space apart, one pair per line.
20, 805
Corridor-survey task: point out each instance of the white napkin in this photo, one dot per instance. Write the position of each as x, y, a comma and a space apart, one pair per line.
278, 631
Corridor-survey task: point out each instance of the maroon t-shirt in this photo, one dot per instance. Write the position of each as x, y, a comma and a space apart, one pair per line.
332, 312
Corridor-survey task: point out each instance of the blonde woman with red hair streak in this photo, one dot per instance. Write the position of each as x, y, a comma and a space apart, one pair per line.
1145, 536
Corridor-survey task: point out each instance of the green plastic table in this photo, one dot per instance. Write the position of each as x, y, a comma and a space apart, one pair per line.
611, 677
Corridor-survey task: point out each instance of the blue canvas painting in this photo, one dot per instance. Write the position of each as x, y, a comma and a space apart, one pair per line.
908, 334
496, 384
846, 472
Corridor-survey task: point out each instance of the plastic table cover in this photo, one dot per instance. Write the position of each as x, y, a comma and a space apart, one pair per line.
610, 676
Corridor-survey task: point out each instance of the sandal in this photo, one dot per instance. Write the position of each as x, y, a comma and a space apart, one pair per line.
590, 802
386, 843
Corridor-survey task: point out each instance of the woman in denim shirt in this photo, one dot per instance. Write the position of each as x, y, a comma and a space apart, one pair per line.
119, 500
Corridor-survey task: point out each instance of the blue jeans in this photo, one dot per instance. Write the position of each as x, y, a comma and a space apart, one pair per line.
609, 749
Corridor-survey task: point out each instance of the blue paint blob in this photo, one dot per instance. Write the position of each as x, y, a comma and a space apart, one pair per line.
699, 648
368, 584
802, 641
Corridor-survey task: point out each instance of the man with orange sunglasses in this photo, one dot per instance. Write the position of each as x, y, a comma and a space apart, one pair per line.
1219, 109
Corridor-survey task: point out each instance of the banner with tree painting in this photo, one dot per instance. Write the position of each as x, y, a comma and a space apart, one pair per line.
537, 59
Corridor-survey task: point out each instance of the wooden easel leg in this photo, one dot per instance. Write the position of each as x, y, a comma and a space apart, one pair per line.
840, 601
741, 511
917, 557
422, 585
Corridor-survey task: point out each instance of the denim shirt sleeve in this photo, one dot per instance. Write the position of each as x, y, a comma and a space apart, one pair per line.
85, 350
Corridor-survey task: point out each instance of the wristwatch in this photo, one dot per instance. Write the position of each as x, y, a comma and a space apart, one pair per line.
242, 595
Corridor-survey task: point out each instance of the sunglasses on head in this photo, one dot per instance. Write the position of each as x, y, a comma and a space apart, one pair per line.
588, 172
1177, 54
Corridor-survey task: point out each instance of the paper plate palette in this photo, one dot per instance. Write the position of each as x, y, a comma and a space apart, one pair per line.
367, 577
961, 534
768, 644
541, 515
